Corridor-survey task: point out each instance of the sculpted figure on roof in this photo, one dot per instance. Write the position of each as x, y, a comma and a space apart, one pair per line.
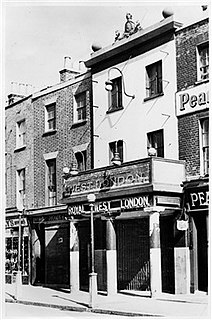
129, 28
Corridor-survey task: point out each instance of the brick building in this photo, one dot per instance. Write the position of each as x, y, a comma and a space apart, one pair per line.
19, 191
54, 129
192, 108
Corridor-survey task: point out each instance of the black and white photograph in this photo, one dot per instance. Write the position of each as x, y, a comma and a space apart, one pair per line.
105, 161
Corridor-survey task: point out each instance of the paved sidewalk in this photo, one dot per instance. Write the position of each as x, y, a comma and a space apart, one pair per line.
128, 304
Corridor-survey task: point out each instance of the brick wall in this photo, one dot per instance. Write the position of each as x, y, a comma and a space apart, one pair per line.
188, 130
16, 159
63, 139
187, 40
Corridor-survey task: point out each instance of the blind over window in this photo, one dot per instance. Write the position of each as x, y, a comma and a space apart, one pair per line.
154, 79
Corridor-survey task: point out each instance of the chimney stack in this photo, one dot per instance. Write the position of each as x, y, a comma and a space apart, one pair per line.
18, 92
68, 73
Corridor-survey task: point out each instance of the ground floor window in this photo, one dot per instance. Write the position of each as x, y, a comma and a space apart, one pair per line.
11, 257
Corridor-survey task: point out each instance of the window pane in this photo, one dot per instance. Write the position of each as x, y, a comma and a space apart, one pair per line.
51, 164
116, 146
51, 116
154, 79
206, 159
81, 160
81, 106
21, 187
22, 127
204, 62
21, 133
155, 140
81, 113
81, 100
205, 145
115, 96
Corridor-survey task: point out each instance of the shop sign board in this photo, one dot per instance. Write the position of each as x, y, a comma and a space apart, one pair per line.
12, 223
49, 218
198, 200
192, 99
110, 179
113, 205
182, 225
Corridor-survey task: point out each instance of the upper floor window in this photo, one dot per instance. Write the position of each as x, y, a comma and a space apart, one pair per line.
51, 181
115, 147
21, 182
115, 95
81, 160
155, 140
154, 79
80, 108
51, 117
21, 134
205, 145
203, 61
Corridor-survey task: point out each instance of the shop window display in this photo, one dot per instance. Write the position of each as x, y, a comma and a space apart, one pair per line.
11, 259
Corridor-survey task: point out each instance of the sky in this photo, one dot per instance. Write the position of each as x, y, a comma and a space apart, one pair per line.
38, 35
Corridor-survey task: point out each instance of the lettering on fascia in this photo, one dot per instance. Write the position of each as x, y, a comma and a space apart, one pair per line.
109, 181
199, 199
192, 101
106, 206
136, 202
15, 222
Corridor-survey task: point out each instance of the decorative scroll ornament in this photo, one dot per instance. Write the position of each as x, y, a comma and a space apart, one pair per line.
129, 29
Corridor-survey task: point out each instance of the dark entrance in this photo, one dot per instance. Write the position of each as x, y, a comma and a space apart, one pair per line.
167, 253
133, 254
99, 255
57, 265
200, 249
84, 254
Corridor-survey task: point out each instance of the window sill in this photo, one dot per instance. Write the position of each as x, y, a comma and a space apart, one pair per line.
201, 81
79, 123
154, 96
49, 133
114, 110
20, 148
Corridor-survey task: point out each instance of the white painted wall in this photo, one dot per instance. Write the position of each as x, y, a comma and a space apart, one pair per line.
138, 117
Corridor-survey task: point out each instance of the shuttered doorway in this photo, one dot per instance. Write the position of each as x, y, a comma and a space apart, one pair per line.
57, 261
167, 253
133, 254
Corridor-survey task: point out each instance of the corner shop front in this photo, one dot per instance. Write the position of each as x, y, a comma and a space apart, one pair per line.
12, 238
135, 214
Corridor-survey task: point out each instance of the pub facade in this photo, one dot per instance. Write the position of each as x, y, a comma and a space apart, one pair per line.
135, 216
137, 175
192, 110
